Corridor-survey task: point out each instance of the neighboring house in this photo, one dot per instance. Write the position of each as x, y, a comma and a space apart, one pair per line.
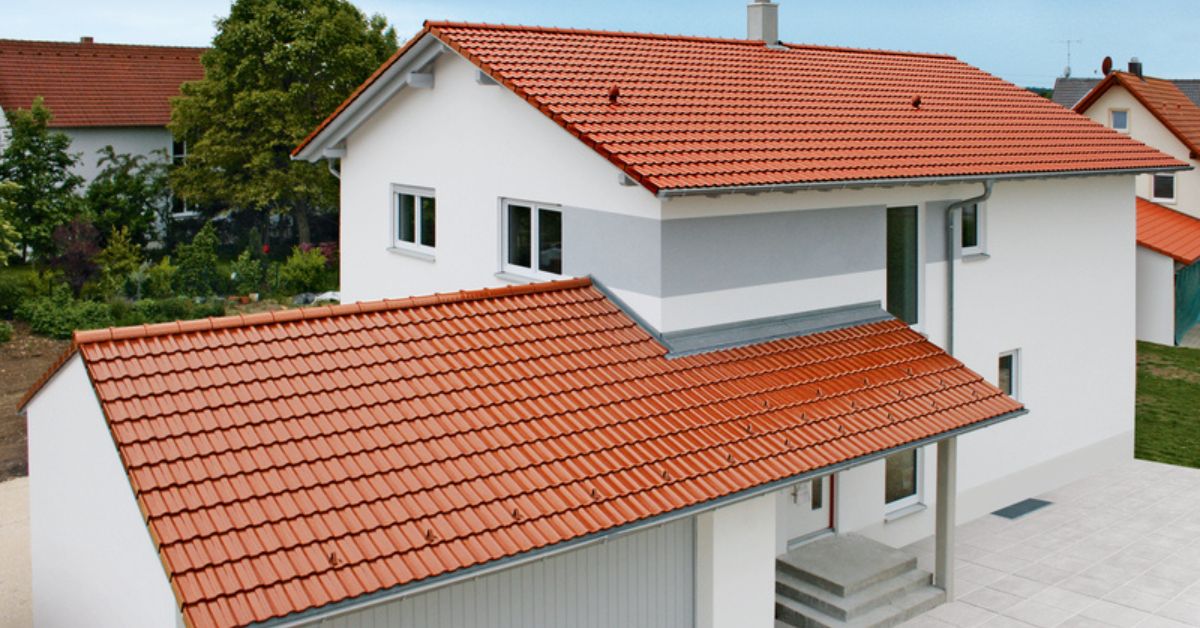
1157, 112
1068, 91
100, 94
826, 301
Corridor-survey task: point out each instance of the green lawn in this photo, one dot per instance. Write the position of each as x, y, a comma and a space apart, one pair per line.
1168, 405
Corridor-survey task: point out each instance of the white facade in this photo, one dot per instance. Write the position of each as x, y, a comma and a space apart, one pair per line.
94, 563
1155, 297
151, 142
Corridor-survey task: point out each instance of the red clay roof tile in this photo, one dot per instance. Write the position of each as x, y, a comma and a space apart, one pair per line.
89, 84
1163, 98
324, 490
1166, 231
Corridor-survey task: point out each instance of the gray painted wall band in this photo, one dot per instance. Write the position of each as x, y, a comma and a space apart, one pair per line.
935, 230
622, 251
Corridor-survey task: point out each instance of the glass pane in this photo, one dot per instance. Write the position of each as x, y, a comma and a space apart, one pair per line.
406, 218
902, 263
1005, 382
1120, 119
550, 241
1164, 186
901, 476
817, 497
519, 249
970, 227
428, 221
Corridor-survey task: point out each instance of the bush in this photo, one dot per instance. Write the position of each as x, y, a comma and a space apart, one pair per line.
304, 271
148, 311
77, 246
161, 278
246, 273
58, 315
14, 289
6, 331
118, 261
198, 274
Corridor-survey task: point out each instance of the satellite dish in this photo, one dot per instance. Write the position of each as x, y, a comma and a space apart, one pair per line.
1106, 66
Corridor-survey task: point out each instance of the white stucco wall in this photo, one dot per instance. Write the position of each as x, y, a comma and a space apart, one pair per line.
94, 563
1145, 127
3, 130
85, 141
735, 565
1155, 297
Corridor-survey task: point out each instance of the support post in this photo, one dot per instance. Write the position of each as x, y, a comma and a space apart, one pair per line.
943, 560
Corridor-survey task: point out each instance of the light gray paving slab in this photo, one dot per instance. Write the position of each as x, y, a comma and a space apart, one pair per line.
1039, 614
1114, 614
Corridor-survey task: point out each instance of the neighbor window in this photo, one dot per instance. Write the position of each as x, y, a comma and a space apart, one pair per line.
1007, 379
1164, 187
902, 479
973, 230
532, 239
178, 155
414, 219
1119, 119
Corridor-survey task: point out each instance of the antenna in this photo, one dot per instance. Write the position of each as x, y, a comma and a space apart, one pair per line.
1068, 42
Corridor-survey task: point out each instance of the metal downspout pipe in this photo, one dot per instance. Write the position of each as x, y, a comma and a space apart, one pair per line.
953, 244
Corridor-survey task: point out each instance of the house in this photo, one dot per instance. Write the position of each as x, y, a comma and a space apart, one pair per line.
713, 325
1159, 113
100, 94
1069, 90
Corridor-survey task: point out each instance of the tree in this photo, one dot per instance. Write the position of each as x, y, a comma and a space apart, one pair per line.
127, 193
8, 234
120, 259
76, 242
37, 161
198, 274
276, 69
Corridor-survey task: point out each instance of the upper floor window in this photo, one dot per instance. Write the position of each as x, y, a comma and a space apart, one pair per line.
179, 207
1164, 187
532, 239
1007, 379
973, 230
414, 219
902, 263
1118, 119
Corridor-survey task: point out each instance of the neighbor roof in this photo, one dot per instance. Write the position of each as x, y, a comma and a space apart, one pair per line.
290, 460
1163, 98
1069, 91
697, 114
1164, 230
90, 85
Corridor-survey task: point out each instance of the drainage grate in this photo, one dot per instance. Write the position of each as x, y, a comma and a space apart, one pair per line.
1021, 508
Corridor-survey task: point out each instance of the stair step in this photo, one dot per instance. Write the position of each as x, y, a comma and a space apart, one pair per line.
845, 564
898, 610
855, 604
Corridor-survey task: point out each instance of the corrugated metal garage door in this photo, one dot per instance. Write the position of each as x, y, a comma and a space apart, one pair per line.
644, 579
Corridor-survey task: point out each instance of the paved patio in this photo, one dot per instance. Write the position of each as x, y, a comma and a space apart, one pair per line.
1117, 549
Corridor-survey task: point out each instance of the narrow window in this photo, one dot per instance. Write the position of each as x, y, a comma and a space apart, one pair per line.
1164, 187
1119, 119
1007, 379
532, 240
902, 263
901, 478
414, 219
817, 498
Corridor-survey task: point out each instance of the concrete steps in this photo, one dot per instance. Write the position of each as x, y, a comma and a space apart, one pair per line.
850, 580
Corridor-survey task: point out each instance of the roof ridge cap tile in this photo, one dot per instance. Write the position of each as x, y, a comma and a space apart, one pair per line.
235, 321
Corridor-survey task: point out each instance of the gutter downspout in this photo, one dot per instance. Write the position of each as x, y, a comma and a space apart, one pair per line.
330, 154
953, 245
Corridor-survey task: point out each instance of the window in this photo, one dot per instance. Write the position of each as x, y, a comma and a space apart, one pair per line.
902, 263
1118, 119
1007, 379
973, 227
902, 479
178, 155
532, 239
818, 498
414, 219
1164, 187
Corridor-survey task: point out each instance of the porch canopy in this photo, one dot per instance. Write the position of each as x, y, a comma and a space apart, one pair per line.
296, 461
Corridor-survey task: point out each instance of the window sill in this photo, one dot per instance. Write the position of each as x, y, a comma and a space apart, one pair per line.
975, 257
519, 280
421, 255
1163, 201
901, 513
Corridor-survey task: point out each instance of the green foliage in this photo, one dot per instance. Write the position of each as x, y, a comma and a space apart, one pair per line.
148, 311
1168, 393
9, 238
161, 279
37, 162
275, 70
77, 246
59, 315
118, 261
6, 331
14, 288
128, 192
246, 273
198, 273
304, 271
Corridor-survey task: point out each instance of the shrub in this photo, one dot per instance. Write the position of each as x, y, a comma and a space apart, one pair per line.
120, 259
58, 315
198, 274
160, 279
304, 271
76, 243
13, 289
6, 331
148, 311
246, 273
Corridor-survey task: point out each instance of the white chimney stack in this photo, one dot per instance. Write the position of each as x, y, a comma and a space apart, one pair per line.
762, 21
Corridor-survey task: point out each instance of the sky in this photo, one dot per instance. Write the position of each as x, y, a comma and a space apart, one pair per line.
1023, 41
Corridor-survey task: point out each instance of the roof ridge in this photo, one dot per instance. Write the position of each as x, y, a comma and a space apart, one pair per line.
667, 36
236, 321
79, 44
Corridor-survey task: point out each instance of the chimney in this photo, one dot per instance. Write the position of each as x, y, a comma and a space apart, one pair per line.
1135, 67
762, 21
86, 40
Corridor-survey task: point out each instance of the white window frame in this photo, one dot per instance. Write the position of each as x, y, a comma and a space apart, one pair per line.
1016, 371
534, 228
915, 499
980, 248
1174, 189
173, 160
1111, 120
403, 246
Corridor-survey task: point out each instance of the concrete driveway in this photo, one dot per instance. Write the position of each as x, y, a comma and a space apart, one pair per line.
1117, 549
15, 593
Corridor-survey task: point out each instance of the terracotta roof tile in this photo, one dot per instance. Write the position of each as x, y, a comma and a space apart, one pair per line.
691, 112
1166, 231
89, 84
1163, 98
287, 462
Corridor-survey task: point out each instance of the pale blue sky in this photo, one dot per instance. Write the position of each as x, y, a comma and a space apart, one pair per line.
1019, 40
